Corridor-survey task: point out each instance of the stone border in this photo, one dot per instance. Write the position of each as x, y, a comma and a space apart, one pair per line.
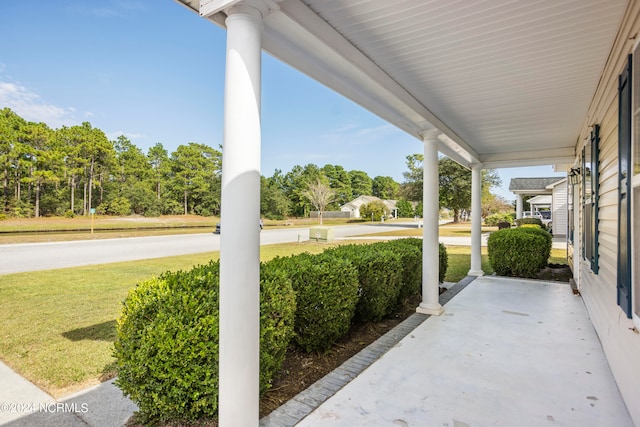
305, 402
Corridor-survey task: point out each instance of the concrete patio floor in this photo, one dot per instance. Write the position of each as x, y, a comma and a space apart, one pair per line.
506, 352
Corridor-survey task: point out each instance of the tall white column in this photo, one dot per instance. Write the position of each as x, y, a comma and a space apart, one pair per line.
430, 210
240, 213
519, 206
476, 221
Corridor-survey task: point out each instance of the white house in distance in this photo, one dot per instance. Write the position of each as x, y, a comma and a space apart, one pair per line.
490, 84
549, 193
354, 206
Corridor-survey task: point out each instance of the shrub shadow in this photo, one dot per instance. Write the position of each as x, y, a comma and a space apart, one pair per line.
105, 331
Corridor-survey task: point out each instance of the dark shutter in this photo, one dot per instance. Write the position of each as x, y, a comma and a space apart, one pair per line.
624, 190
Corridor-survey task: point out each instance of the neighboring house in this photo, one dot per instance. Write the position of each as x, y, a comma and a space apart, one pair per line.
549, 193
532, 187
354, 206
559, 208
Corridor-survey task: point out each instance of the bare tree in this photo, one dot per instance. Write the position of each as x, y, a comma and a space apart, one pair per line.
319, 195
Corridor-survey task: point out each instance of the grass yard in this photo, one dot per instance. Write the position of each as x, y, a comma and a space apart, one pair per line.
59, 325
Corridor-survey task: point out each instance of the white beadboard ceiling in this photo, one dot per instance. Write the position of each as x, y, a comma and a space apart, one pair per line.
507, 82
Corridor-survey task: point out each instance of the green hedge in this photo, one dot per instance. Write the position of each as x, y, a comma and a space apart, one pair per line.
379, 277
519, 252
326, 289
493, 220
529, 220
166, 348
411, 259
443, 257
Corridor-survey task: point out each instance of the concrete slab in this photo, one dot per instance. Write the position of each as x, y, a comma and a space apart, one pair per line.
22, 404
505, 352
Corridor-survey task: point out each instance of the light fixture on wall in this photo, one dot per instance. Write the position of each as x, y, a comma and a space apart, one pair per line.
574, 176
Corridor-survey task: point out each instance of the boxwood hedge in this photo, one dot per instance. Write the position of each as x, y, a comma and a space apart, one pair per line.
519, 252
379, 277
326, 290
166, 348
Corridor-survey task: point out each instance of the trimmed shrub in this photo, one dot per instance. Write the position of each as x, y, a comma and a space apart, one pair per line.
443, 257
444, 262
519, 252
503, 224
531, 226
411, 259
277, 317
326, 290
495, 219
522, 221
166, 348
379, 277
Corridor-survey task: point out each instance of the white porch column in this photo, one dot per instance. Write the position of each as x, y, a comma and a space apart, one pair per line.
519, 204
240, 213
476, 221
430, 205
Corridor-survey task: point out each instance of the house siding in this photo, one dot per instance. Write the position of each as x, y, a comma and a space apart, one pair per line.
620, 342
559, 209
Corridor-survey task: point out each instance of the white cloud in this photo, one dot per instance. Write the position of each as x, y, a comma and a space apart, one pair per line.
28, 105
130, 135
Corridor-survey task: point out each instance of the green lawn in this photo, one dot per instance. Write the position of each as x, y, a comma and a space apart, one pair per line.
59, 325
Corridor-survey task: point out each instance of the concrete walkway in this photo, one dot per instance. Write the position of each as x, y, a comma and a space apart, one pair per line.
505, 353
22, 404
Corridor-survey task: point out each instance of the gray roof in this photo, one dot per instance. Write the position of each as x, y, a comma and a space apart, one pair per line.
532, 184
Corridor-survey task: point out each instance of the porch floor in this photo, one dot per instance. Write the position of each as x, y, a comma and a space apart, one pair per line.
506, 352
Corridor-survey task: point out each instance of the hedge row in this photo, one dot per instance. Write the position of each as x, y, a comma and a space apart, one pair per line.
520, 252
493, 220
166, 348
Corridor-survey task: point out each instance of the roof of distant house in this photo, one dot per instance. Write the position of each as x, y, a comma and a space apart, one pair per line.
532, 184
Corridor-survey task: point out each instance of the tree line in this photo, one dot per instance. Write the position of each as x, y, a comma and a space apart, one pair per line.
73, 170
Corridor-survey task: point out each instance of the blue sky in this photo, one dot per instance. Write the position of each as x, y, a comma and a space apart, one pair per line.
154, 71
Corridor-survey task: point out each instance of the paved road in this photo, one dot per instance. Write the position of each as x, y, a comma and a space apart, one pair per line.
45, 256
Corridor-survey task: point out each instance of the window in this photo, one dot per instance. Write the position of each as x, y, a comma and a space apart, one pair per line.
590, 183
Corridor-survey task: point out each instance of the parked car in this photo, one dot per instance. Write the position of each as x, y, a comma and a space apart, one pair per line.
218, 227
544, 216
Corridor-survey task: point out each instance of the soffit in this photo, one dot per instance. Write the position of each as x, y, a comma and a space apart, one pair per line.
507, 82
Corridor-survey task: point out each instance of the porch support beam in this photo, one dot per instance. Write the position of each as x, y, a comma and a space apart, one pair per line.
239, 353
519, 204
430, 251
476, 221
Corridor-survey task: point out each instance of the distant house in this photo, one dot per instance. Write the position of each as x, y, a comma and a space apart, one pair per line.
548, 193
353, 207
559, 207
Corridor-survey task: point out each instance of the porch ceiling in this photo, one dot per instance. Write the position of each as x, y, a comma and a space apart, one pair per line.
508, 82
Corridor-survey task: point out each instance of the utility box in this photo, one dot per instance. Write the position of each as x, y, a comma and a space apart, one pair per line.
321, 234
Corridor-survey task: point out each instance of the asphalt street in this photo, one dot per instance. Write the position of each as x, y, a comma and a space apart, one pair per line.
17, 258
